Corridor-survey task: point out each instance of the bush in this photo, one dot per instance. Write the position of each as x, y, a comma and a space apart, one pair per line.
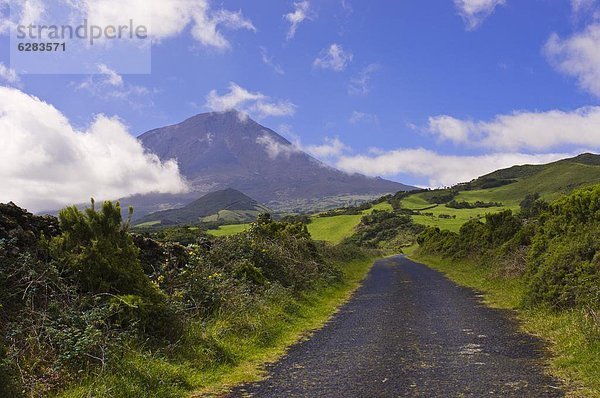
383, 227
75, 305
98, 249
532, 206
453, 204
8, 377
564, 261
474, 239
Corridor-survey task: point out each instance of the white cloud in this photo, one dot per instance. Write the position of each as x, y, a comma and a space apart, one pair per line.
206, 27
47, 163
578, 56
334, 57
295, 18
235, 98
332, 147
346, 6
474, 12
580, 7
362, 117
361, 84
276, 148
266, 109
440, 170
524, 130
112, 77
163, 18
267, 60
256, 104
8, 75
109, 85
23, 12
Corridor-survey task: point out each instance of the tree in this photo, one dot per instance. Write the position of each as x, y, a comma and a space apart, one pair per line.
97, 247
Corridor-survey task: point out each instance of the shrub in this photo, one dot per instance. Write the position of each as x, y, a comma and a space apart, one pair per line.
98, 249
474, 239
381, 227
476, 205
8, 377
564, 261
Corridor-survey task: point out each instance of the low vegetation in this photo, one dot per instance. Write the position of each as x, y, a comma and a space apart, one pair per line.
89, 309
385, 230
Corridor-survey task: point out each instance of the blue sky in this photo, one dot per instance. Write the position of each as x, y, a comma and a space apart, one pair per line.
424, 92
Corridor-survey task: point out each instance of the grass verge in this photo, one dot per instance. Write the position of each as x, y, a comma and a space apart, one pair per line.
225, 351
575, 356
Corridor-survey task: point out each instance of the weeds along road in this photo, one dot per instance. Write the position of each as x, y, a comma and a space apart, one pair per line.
410, 332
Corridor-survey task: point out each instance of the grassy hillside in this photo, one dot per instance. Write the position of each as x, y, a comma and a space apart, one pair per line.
226, 230
508, 187
430, 213
329, 229
550, 181
337, 228
333, 229
227, 206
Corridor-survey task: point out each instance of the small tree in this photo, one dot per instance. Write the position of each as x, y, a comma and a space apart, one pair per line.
97, 247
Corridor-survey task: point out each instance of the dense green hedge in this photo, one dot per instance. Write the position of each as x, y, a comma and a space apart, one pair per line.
564, 260
385, 228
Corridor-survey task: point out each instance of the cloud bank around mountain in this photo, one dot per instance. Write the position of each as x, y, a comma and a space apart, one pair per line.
47, 163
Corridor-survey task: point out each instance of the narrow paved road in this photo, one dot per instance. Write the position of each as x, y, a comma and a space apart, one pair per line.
410, 332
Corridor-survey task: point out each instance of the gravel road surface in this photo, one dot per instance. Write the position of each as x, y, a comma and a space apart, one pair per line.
410, 332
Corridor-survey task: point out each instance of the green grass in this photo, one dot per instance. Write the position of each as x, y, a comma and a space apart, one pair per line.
384, 206
575, 357
147, 224
226, 230
333, 229
417, 202
220, 354
552, 182
328, 229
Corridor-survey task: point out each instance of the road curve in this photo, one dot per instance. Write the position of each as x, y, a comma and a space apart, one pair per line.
410, 332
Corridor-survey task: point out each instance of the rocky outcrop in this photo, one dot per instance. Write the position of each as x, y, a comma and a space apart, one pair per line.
24, 229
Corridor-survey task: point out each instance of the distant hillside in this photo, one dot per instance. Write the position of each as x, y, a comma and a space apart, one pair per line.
550, 180
221, 150
445, 208
228, 205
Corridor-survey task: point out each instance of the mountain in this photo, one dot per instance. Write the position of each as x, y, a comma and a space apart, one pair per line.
221, 150
227, 205
550, 180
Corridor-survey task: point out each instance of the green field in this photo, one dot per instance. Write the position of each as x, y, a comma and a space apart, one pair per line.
417, 202
225, 230
329, 229
551, 182
333, 229
147, 224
